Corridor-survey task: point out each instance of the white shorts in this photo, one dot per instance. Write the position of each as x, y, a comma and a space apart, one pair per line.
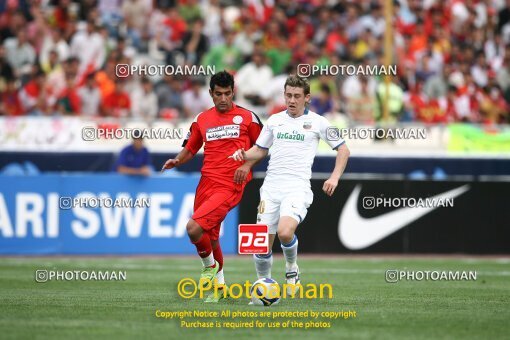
292, 202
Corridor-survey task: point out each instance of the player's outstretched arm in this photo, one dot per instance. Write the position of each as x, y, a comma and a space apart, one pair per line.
253, 155
184, 156
341, 161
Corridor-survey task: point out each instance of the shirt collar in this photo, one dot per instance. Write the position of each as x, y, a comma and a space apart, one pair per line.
234, 106
304, 113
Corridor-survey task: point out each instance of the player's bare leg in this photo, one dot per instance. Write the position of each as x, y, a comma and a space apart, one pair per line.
219, 292
203, 244
286, 233
264, 262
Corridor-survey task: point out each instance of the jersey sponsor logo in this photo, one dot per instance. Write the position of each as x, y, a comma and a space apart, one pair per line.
223, 132
237, 120
356, 232
291, 136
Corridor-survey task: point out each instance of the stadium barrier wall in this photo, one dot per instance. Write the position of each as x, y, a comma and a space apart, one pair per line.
31, 133
32, 221
478, 222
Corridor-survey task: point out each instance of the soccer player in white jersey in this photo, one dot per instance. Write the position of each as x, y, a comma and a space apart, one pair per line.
292, 137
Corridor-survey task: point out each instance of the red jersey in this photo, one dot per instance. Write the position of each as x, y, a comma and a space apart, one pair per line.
222, 134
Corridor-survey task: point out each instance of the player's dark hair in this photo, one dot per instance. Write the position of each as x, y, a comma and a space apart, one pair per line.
222, 79
296, 81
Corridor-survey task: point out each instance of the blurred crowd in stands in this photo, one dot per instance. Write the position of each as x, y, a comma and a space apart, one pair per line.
58, 57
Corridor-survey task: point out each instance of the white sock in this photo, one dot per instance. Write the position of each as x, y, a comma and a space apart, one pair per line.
290, 253
220, 277
263, 264
208, 261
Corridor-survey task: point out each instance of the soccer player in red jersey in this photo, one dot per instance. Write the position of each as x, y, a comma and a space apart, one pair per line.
222, 130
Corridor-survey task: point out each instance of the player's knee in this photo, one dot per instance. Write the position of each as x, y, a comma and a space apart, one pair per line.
286, 235
193, 228
214, 244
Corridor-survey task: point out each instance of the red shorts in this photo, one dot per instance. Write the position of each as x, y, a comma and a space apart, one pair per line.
213, 201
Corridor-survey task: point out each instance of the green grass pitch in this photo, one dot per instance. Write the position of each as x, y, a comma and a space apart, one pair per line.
126, 309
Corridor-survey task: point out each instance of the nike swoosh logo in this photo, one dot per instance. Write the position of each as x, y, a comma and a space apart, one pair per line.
356, 232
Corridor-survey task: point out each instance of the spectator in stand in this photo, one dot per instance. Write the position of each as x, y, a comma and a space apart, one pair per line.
479, 70
362, 106
170, 38
462, 102
336, 41
134, 159
423, 71
62, 15
56, 74
52, 64
323, 102
225, 56
144, 102
169, 93
395, 99
436, 86
196, 99
465, 44
53, 43
279, 55
135, 14
273, 93
20, 54
195, 43
37, 27
90, 97
117, 104
33, 96
6, 71
212, 14
89, 47
352, 87
374, 20
493, 107
190, 11
110, 14
68, 102
246, 39
10, 104
503, 76
11, 21
251, 80
316, 84
105, 78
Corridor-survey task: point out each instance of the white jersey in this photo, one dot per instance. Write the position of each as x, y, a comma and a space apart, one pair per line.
293, 145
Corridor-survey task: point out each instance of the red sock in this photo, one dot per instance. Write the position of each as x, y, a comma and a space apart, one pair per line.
218, 255
203, 245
